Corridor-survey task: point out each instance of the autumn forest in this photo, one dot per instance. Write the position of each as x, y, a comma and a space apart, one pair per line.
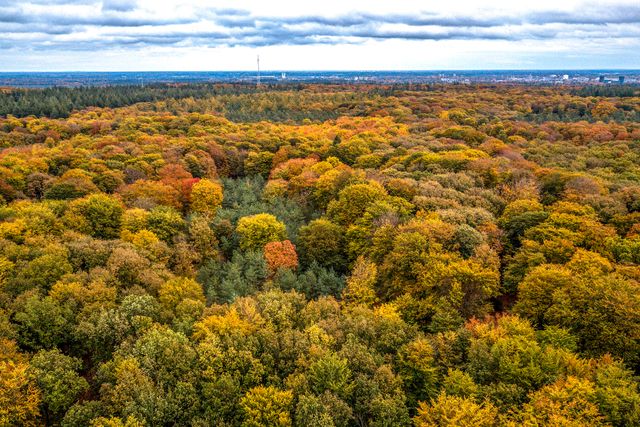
320, 255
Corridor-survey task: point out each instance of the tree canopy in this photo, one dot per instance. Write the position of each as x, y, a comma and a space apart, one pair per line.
320, 255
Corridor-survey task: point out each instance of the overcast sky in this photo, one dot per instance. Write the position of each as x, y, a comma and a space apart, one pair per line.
130, 35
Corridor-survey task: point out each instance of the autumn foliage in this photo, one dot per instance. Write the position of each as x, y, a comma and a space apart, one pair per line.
280, 255
320, 255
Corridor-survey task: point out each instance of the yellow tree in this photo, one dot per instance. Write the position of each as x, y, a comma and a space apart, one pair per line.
452, 411
267, 406
257, 230
206, 197
360, 285
19, 396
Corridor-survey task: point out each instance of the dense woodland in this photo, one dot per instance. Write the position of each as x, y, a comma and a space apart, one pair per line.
320, 256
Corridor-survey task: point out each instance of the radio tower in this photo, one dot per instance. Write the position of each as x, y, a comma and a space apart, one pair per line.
258, 78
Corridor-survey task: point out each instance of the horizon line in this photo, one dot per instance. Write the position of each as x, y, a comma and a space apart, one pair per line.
325, 70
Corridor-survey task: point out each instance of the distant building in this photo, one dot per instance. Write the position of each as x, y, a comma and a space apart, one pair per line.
565, 77
609, 80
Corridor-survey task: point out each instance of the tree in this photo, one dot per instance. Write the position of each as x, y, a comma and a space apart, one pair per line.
267, 406
353, 201
243, 275
617, 393
72, 184
323, 242
603, 109
19, 395
166, 356
459, 383
148, 194
258, 163
439, 286
43, 323
173, 292
603, 312
505, 358
600, 307
360, 287
535, 292
109, 181
312, 412
130, 421
57, 377
416, 368
134, 220
165, 222
519, 216
206, 197
41, 273
330, 373
256, 231
203, 238
453, 411
467, 239
280, 255
567, 402
37, 184
98, 215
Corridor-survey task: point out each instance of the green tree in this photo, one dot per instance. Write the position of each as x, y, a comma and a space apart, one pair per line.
353, 201
165, 222
416, 368
99, 215
57, 377
330, 373
41, 273
43, 323
323, 242
519, 216
600, 307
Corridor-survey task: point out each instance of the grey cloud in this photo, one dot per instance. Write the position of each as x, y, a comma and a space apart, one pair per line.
36, 28
119, 5
107, 19
231, 12
411, 20
8, 15
590, 13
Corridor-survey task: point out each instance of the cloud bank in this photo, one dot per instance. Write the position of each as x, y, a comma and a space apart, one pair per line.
87, 25
39, 26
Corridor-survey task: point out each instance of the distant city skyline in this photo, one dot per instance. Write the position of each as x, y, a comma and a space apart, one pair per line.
138, 78
191, 35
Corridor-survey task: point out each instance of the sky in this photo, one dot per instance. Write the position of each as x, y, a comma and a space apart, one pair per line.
222, 35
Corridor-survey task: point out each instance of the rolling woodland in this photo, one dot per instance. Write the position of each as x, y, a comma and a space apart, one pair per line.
320, 255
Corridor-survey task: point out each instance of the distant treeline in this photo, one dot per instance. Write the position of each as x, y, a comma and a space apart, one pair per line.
608, 91
296, 102
59, 102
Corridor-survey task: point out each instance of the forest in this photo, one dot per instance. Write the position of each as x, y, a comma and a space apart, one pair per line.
320, 255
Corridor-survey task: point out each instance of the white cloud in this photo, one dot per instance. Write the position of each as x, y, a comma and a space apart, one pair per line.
332, 34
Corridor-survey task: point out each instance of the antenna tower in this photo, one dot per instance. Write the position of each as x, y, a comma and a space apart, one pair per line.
258, 78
